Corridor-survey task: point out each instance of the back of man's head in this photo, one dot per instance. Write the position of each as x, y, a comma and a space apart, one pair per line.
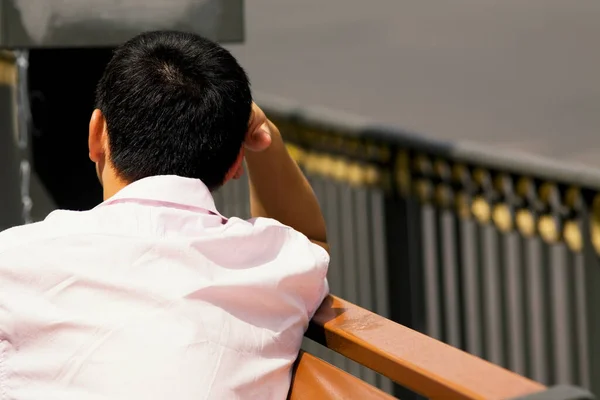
175, 104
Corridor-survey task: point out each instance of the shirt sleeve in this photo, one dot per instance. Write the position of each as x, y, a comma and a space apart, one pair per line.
301, 265
322, 260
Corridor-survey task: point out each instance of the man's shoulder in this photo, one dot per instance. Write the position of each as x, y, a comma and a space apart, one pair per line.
56, 224
18, 235
292, 239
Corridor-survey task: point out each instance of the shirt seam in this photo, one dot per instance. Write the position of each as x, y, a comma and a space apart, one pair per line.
221, 230
51, 238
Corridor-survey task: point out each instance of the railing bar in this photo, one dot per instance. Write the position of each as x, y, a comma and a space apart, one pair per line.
492, 296
414, 244
592, 283
433, 312
471, 285
336, 271
378, 247
350, 286
561, 322
581, 318
514, 299
365, 281
548, 311
318, 185
450, 277
536, 313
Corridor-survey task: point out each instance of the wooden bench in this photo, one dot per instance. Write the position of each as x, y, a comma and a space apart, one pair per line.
411, 359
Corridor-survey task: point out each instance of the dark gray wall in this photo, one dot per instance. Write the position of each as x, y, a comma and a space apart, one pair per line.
521, 74
75, 23
10, 200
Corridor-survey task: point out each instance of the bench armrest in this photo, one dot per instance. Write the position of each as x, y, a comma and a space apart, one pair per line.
411, 359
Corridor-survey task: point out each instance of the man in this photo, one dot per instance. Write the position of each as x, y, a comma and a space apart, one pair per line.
153, 294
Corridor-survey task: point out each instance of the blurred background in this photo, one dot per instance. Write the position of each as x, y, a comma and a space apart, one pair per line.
453, 146
512, 73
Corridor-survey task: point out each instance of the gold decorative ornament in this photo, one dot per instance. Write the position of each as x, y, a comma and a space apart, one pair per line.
524, 187
462, 204
356, 174
481, 210
443, 196
337, 141
546, 191
317, 163
572, 197
308, 162
352, 145
502, 182
326, 165
441, 169
372, 175
525, 222
403, 177
480, 176
502, 218
572, 235
422, 164
384, 153
423, 189
295, 152
339, 169
595, 223
459, 171
548, 228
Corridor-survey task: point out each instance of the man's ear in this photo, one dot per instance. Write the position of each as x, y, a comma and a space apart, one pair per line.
97, 139
237, 169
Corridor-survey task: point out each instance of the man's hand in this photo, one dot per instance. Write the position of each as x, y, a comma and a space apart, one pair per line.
278, 189
258, 137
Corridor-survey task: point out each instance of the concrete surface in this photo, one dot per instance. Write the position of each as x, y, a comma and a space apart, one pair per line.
522, 74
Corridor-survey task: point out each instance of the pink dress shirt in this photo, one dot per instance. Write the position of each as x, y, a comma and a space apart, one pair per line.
154, 295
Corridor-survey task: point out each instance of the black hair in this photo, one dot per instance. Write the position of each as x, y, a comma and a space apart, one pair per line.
175, 103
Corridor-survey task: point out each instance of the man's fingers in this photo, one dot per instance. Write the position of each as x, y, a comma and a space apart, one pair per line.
257, 118
259, 140
259, 134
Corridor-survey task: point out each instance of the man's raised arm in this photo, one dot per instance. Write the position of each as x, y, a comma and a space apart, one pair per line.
278, 188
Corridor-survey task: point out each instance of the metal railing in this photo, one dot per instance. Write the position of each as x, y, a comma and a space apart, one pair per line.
491, 252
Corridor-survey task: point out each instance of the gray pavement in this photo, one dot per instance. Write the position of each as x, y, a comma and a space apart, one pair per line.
520, 74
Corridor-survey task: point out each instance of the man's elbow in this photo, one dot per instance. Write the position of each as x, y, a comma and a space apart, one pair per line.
321, 243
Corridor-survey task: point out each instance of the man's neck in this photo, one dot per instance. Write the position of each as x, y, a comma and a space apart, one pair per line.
111, 183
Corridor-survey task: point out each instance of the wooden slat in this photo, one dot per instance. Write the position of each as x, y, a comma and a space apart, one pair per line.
316, 379
413, 360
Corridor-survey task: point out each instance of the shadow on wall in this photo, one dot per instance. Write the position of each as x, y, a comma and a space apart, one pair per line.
10, 201
61, 86
73, 23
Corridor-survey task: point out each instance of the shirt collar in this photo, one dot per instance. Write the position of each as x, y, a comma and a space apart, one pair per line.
176, 190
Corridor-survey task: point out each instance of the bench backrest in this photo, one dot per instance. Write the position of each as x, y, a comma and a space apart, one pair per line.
317, 379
